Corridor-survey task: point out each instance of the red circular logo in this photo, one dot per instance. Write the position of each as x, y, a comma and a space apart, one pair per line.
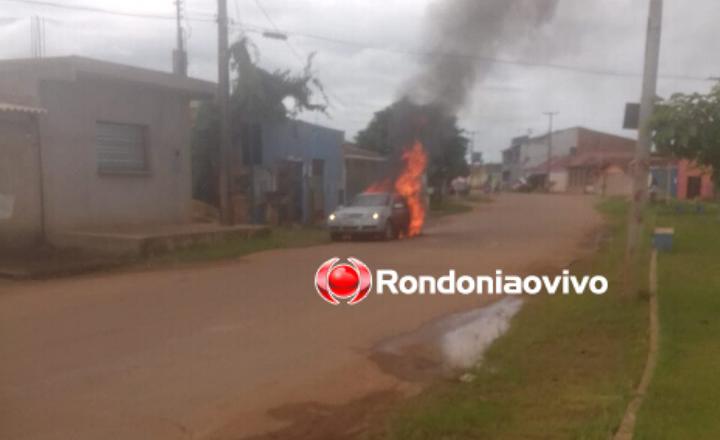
347, 282
343, 281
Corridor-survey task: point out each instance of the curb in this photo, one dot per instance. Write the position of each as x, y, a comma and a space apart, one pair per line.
627, 427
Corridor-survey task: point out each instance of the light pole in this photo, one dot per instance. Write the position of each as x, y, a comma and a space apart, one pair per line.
551, 116
223, 98
180, 61
641, 163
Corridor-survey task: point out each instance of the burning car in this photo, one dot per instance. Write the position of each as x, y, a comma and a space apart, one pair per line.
371, 214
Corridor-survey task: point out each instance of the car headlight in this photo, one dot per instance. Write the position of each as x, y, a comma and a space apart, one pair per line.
376, 216
332, 217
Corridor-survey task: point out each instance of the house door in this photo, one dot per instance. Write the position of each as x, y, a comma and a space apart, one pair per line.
289, 186
694, 187
317, 191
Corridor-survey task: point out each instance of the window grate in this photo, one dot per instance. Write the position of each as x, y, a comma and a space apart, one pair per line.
121, 148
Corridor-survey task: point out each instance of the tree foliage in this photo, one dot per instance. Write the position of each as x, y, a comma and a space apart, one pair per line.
395, 127
261, 96
257, 96
688, 127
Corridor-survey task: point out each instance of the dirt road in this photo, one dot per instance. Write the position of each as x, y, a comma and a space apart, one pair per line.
239, 348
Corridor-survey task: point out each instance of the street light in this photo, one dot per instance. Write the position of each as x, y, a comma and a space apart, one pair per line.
273, 35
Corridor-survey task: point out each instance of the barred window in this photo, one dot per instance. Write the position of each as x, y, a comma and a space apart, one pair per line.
121, 148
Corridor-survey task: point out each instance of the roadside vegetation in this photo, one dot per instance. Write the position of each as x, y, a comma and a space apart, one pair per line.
566, 369
278, 238
448, 206
683, 401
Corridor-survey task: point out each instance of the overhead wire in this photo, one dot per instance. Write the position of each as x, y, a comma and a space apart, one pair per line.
365, 46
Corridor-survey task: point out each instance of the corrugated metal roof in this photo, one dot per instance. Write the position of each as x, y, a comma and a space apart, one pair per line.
357, 153
7, 107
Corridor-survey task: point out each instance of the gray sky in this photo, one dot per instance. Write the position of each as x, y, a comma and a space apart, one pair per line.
366, 53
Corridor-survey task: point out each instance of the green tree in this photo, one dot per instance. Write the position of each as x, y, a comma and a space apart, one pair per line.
395, 127
257, 96
688, 127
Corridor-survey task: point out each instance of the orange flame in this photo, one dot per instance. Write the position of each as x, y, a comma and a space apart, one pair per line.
409, 185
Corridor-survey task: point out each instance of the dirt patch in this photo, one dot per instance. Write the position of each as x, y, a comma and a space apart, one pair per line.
46, 262
316, 421
227, 347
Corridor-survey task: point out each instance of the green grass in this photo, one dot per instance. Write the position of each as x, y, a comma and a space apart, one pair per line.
565, 370
683, 401
279, 238
448, 206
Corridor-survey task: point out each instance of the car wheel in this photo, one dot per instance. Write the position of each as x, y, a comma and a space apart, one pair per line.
389, 232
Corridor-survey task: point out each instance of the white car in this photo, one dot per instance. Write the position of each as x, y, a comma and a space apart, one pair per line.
383, 215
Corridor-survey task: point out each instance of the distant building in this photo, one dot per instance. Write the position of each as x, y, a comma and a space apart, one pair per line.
486, 176
527, 157
680, 179
92, 144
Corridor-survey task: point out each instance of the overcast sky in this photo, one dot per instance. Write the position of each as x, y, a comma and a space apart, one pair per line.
365, 54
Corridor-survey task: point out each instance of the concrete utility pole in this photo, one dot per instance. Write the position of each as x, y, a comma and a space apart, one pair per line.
223, 97
551, 116
179, 54
37, 36
641, 164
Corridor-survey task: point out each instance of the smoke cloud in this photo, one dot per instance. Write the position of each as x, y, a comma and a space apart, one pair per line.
461, 33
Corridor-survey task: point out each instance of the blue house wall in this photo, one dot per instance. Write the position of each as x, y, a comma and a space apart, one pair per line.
301, 141
659, 177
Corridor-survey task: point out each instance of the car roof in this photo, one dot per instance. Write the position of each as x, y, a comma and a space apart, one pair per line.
375, 194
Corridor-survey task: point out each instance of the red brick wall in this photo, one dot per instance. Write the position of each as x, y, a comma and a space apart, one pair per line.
687, 169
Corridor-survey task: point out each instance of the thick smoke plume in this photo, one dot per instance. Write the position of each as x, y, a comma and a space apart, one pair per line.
461, 34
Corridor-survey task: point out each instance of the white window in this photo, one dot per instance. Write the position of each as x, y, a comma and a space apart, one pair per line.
121, 148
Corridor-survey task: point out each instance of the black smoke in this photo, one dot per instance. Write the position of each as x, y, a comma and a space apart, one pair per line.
461, 38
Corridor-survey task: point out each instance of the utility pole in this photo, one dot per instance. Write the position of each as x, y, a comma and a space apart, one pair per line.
641, 163
223, 97
37, 36
551, 116
179, 54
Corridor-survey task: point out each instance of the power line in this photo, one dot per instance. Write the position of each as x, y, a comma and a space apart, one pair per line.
362, 45
97, 10
479, 58
294, 51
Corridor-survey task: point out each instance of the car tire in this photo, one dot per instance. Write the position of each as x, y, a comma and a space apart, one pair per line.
389, 232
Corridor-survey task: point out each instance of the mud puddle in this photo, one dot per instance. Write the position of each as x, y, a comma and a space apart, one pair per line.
446, 346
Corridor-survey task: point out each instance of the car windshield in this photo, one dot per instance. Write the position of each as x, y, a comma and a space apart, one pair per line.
371, 200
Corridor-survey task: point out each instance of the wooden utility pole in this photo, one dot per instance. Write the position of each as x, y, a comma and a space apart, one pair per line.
551, 116
641, 164
223, 97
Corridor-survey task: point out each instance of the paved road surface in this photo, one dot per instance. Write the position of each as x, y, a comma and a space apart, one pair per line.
206, 351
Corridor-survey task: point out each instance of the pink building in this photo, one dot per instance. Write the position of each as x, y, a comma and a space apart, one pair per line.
694, 182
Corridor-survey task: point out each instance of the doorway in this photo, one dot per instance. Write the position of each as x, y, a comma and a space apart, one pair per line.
694, 187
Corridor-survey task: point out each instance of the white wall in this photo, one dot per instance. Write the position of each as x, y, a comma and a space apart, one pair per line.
20, 224
535, 152
77, 195
559, 181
